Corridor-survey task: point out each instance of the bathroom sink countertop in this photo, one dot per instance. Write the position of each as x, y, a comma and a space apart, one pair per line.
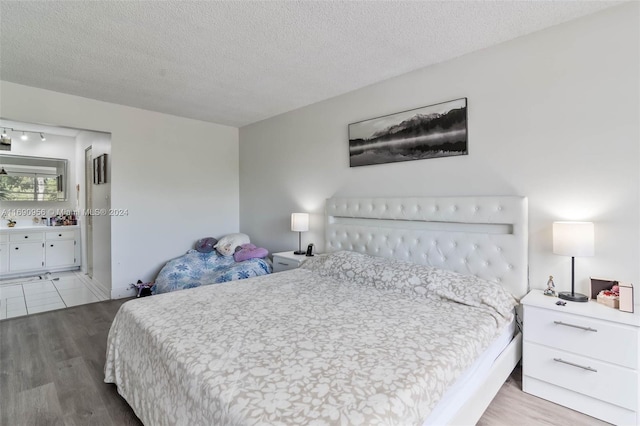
36, 227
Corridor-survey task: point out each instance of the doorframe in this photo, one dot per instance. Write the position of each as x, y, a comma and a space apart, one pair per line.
88, 206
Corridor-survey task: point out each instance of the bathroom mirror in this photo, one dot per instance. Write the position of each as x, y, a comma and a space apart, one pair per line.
24, 178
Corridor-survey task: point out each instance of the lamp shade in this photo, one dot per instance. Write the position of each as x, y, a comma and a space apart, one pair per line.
300, 222
573, 238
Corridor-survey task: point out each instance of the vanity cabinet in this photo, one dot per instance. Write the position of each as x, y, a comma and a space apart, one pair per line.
25, 256
33, 250
4, 254
59, 253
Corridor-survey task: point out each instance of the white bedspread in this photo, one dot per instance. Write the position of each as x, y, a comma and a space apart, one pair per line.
349, 340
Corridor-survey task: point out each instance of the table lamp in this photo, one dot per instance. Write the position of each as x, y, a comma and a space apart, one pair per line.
573, 239
300, 224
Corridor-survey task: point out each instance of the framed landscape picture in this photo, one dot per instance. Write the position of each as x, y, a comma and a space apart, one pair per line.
429, 132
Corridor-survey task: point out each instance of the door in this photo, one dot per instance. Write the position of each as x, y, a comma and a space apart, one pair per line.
88, 196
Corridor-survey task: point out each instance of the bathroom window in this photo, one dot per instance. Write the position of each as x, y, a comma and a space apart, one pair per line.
35, 187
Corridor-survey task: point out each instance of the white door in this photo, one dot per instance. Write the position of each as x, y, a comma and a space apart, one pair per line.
88, 193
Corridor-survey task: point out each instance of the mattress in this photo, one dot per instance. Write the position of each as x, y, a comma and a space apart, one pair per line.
345, 339
469, 381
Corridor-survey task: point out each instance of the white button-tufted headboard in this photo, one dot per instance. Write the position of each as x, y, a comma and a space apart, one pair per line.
483, 236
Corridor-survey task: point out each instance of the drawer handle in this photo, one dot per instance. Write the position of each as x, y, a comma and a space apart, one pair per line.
575, 365
281, 263
59, 235
26, 236
575, 326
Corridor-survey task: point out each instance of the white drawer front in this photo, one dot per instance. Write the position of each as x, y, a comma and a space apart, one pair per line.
611, 383
4, 238
61, 235
25, 237
282, 264
615, 343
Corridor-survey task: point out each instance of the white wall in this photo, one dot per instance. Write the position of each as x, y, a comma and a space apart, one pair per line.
553, 116
54, 147
177, 177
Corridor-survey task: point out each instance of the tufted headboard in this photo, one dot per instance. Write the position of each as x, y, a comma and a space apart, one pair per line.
482, 236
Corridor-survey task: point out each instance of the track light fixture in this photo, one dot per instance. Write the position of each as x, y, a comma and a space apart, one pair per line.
24, 135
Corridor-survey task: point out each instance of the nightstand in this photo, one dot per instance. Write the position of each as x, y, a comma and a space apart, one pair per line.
583, 356
286, 260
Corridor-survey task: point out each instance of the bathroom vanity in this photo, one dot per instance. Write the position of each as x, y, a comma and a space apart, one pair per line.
29, 250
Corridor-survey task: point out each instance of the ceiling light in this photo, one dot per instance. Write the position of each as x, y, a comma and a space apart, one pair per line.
24, 137
42, 138
3, 171
4, 133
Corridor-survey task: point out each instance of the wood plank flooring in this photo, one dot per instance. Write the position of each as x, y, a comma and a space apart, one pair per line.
51, 369
51, 373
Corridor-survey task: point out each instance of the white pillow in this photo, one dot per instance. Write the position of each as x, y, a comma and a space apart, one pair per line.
226, 246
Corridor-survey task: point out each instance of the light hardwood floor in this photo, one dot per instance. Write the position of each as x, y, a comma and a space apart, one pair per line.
51, 373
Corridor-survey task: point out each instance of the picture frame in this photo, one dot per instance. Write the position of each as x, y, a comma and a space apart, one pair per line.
102, 164
100, 169
433, 131
96, 172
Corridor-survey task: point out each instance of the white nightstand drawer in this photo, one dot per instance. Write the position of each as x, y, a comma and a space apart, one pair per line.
615, 343
282, 264
611, 383
287, 260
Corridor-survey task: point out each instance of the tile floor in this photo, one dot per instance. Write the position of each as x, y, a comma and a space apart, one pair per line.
53, 291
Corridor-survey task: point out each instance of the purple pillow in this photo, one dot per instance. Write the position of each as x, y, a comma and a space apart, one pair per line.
249, 251
205, 245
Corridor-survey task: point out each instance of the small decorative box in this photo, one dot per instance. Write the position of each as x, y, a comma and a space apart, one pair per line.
599, 284
626, 297
610, 301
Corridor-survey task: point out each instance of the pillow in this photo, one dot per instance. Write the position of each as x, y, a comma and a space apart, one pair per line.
371, 271
415, 280
249, 251
226, 246
205, 245
472, 291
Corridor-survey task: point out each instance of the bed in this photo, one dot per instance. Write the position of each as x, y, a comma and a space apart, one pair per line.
195, 269
403, 323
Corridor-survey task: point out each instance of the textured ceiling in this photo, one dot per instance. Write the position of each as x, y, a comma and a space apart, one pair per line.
238, 62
